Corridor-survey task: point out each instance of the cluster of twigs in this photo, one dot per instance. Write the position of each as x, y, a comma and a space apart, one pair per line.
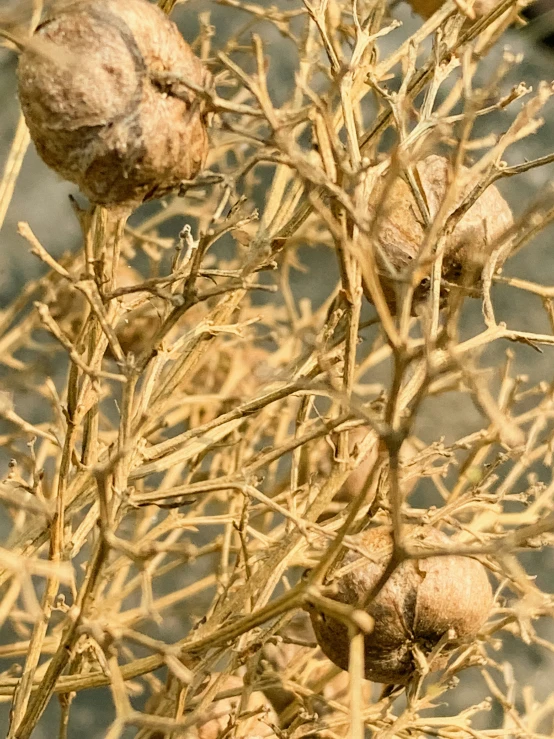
201, 432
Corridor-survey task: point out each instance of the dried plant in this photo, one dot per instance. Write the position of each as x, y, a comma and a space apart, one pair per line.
197, 442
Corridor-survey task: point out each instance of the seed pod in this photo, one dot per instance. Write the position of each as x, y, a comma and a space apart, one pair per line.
421, 602
254, 723
134, 331
400, 231
94, 110
426, 8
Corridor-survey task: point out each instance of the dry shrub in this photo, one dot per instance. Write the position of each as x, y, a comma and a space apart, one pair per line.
178, 499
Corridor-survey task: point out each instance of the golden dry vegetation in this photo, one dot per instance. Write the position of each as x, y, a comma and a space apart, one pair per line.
198, 443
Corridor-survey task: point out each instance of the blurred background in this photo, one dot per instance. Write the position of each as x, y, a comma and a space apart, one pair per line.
41, 199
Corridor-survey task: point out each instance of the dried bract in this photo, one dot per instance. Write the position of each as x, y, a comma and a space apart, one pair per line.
420, 603
94, 110
400, 229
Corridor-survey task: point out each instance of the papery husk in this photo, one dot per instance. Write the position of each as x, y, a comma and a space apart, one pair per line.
137, 327
421, 602
400, 230
426, 8
221, 715
94, 112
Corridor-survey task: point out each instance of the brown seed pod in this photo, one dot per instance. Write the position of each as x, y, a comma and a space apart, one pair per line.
421, 602
400, 231
94, 110
255, 721
138, 327
363, 480
134, 331
426, 8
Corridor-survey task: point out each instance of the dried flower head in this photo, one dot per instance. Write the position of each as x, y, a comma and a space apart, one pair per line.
95, 113
401, 229
421, 603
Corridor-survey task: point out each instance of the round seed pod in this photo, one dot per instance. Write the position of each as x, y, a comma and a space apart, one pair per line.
426, 8
139, 325
400, 230
421, 602
87, 87
134, 331
245, 715
356, 484
221, 715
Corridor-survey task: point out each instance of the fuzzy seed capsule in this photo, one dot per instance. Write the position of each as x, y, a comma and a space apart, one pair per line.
97, 116
422, 601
